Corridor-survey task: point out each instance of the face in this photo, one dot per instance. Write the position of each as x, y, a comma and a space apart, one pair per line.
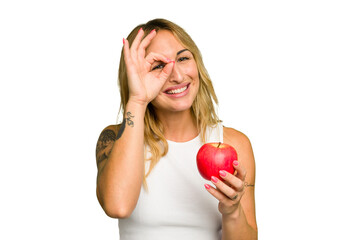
180, 89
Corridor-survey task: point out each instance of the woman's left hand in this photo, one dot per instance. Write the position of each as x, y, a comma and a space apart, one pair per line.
229, 190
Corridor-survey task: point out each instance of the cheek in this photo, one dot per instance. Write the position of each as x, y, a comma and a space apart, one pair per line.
192, 71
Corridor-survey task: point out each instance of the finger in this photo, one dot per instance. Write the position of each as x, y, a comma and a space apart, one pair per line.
137, 40
126, 52
145, 43
241, 172
218, 195
153, 57
165, 73
225, 189
234, 181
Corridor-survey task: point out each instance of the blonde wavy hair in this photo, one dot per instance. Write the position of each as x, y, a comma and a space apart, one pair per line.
202, 109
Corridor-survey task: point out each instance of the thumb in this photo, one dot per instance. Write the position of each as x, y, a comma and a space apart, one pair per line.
241, 171
166, 71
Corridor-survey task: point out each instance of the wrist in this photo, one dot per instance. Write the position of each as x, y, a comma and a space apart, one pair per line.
135, 103
234, 216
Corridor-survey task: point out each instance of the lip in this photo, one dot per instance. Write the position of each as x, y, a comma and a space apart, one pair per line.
177, 95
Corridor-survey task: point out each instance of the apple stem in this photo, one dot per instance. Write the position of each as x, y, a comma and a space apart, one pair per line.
219, 145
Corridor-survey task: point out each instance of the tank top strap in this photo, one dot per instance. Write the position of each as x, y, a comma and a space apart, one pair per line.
215, 133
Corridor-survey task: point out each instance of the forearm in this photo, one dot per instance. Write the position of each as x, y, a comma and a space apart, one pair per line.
236, 227
120, 180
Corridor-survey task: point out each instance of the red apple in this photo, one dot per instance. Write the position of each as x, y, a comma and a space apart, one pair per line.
213, 157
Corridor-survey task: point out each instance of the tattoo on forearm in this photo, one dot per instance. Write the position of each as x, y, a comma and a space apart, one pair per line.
106, 139
128, 119
248, 184
122, 126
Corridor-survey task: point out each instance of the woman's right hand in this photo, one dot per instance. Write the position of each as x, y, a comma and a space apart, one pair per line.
145, 84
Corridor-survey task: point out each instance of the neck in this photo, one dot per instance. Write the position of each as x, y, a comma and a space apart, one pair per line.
178, 126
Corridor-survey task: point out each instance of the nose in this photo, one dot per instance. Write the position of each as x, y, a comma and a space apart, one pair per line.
176, 75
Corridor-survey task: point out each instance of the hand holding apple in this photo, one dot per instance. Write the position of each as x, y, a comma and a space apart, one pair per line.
213, 157
218, 162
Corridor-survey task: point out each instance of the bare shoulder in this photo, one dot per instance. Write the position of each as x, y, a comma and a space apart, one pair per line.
244, 150
235, 137
105, 143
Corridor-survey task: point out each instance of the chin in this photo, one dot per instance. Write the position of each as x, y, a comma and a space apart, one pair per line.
172, 106
181, 108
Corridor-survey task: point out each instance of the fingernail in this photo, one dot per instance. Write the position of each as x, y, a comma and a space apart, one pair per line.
236, 163
214, 179
124, 41
168, 60
207, 186
152, 31
139, 30
222, 173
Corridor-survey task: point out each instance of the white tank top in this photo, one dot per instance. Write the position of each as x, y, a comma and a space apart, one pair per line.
177, 205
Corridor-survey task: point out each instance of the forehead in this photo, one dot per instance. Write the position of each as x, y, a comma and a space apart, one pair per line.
165, 43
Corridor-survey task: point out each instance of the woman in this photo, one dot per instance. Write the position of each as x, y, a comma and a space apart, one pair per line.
147, 175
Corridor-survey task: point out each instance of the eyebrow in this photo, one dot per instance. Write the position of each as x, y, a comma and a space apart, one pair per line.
181, 51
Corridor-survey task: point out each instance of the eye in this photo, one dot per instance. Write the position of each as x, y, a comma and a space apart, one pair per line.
160, 66
183, 59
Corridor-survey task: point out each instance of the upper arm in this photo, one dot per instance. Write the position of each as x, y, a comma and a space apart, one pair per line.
243, 147
103, 148
104, 145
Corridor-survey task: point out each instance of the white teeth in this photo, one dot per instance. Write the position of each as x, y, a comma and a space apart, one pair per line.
180, 90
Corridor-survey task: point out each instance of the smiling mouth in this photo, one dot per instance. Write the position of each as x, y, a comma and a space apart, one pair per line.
179, 90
